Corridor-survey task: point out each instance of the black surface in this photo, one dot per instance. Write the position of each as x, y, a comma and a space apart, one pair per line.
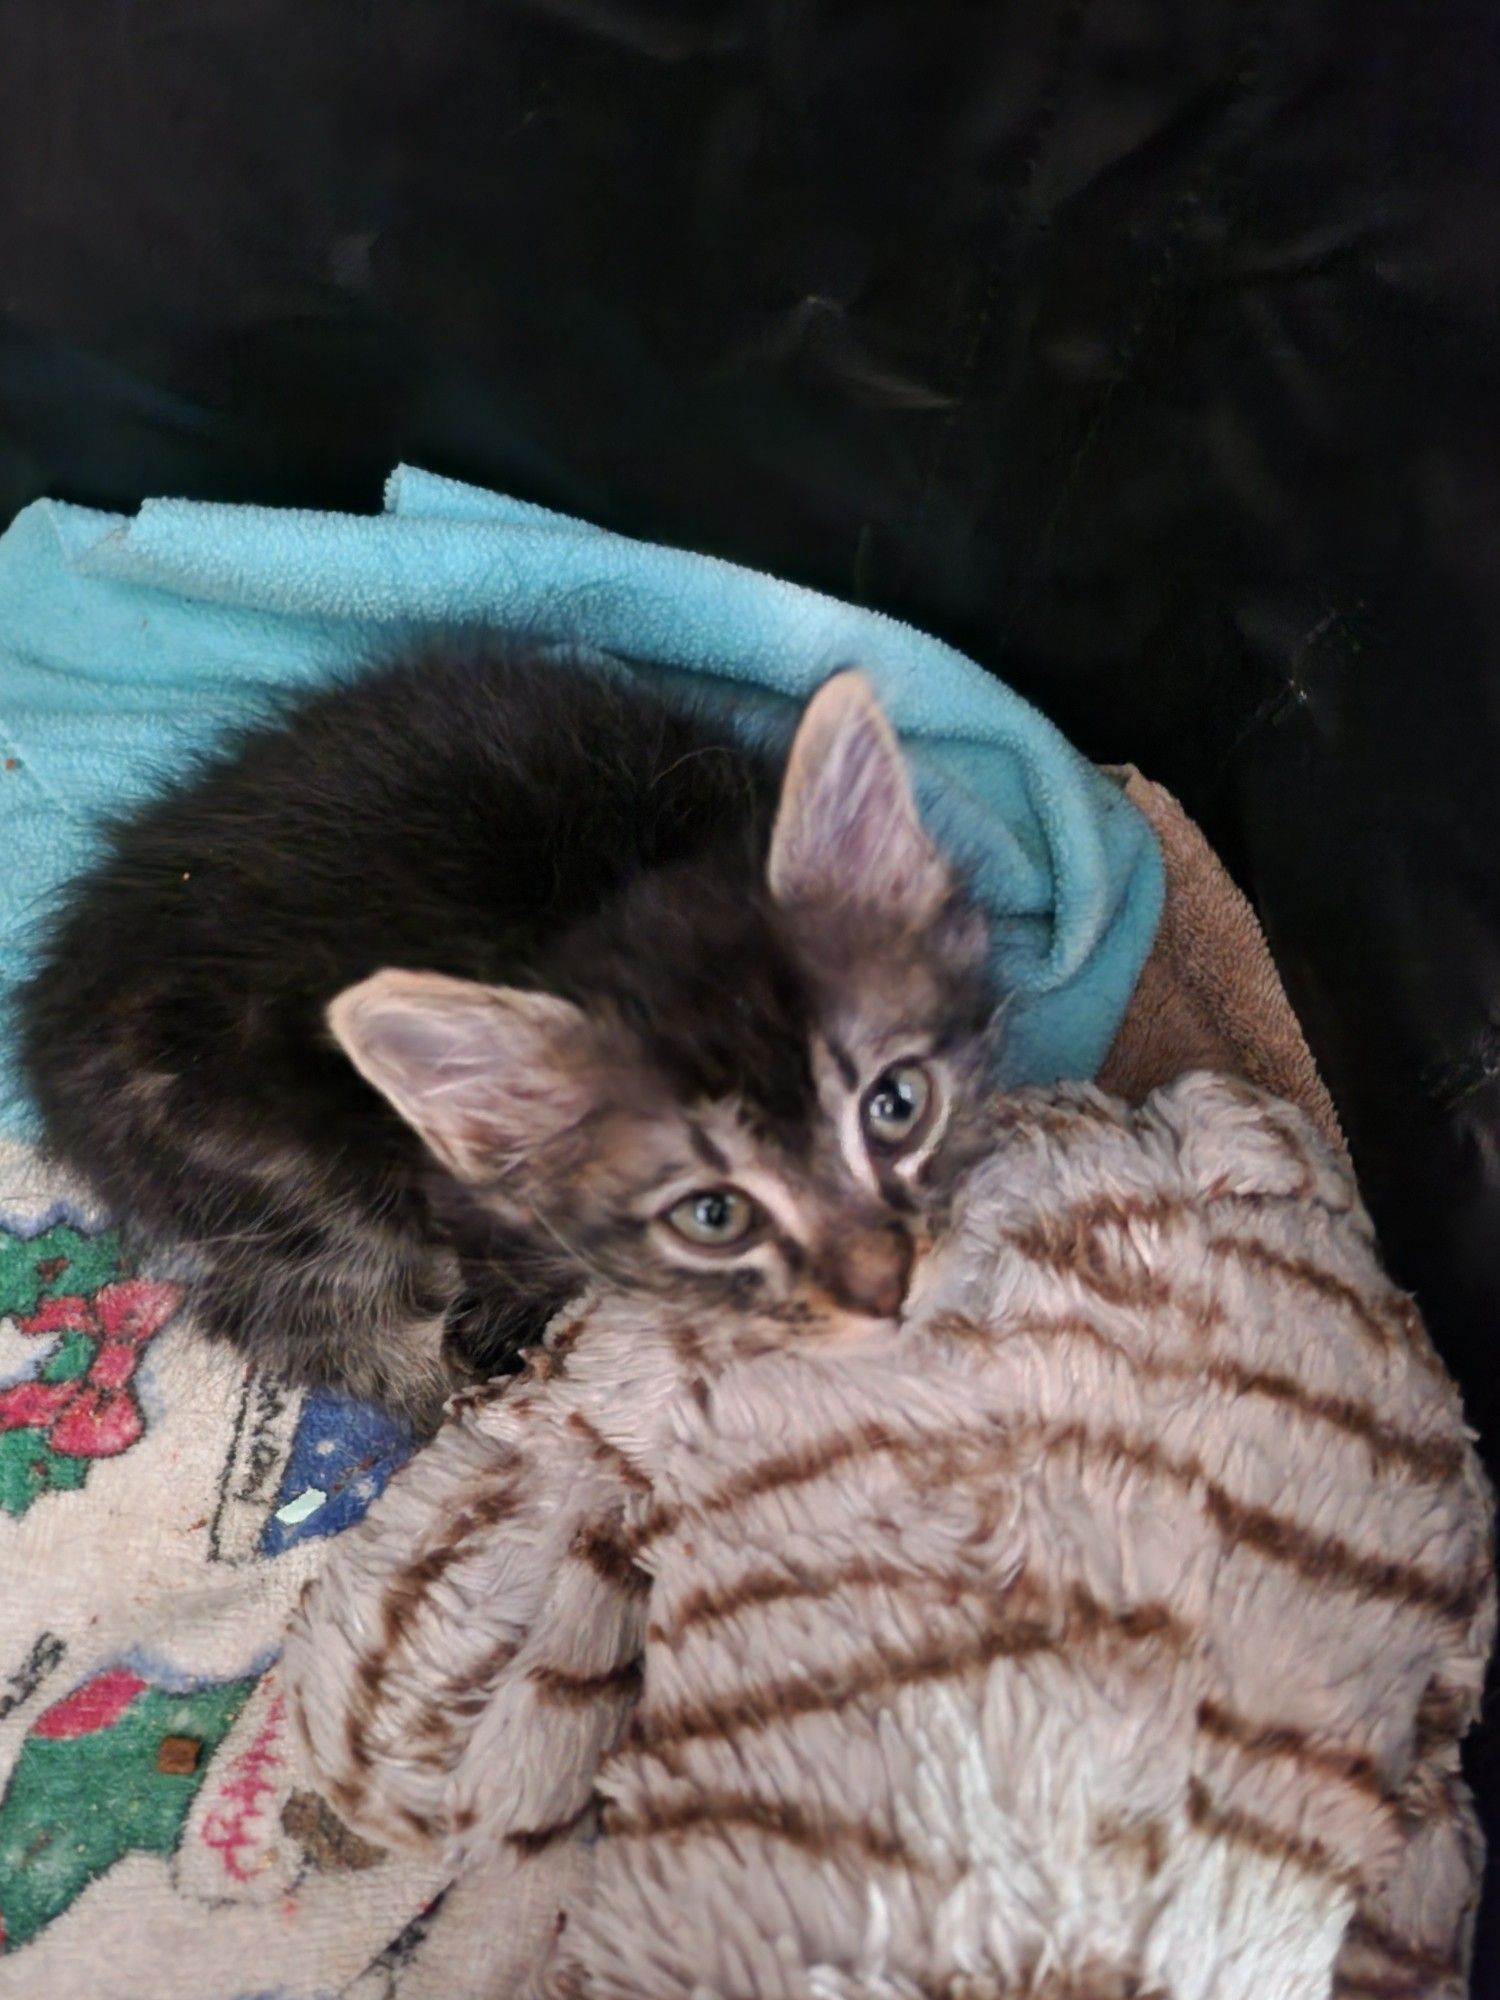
1149, 351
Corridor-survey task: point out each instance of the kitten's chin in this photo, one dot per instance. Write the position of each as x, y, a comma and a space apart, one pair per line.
927, 1271
817, 1323
837, 1327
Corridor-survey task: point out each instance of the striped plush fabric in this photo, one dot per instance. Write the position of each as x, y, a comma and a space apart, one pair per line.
1107, 1629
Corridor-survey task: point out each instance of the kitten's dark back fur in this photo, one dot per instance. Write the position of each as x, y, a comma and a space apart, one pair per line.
475, 812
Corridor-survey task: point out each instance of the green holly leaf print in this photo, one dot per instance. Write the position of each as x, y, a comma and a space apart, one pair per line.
87, 1789
71, 1361
60, 1263
30, 1467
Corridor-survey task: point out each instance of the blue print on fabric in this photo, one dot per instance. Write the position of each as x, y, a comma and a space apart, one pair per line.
344, 1449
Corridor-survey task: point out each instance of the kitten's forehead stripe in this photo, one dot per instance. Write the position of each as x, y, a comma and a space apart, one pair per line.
781, 1199
844, 1063
709, 1154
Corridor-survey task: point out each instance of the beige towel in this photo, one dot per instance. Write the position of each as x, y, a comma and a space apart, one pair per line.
1210, 997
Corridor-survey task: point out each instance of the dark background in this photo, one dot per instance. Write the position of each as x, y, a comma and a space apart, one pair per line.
1149, 352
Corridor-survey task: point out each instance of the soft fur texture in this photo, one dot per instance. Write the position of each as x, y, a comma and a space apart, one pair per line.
413, 1012
1106, 1629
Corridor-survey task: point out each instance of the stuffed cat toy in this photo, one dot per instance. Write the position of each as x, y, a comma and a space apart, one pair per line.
1108, 1627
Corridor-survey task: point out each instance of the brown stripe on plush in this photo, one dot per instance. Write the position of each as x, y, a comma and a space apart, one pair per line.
939, 1453
1385, 1330
416, 1823
1305, 1191
1319, 1558
434, 1726
461, 1689
1089, 1618
1443, 1714
1070, 1240
1145, 1840
1064, 1234
883, 1673
572, 1689
1246, 1830
544, 1363
369, 1678
1140, 1290
405, 1598
710, 1606
796, 1468
407, 1595
1437, 1459
660, 1519
1068, 1230
1328, 1559
770, 1586
817, 1834
537, 1839
1272, 1115
1375, 1936
610, 1553
609, 1455
411, 1585
1280, 1740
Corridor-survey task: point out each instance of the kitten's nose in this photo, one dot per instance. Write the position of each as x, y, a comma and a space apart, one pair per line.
867, 1270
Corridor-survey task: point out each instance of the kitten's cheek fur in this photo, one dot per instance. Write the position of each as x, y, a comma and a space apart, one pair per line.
925, 1241
845, 1328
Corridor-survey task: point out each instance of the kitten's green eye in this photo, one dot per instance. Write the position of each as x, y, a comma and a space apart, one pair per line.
896, 1107
714, 1218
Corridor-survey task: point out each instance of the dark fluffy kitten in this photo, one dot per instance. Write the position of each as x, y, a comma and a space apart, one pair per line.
484, 978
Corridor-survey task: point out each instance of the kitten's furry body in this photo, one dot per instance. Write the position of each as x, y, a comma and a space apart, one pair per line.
498, 819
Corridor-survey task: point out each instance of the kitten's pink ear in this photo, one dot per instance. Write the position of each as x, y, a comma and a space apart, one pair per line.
485, 1074
847, 829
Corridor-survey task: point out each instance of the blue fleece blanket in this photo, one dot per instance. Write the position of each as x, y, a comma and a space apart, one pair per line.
126, 645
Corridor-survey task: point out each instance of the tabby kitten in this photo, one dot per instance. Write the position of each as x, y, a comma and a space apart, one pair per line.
483, 978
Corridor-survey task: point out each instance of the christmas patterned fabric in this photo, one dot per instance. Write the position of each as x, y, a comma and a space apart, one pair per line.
161, 1508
